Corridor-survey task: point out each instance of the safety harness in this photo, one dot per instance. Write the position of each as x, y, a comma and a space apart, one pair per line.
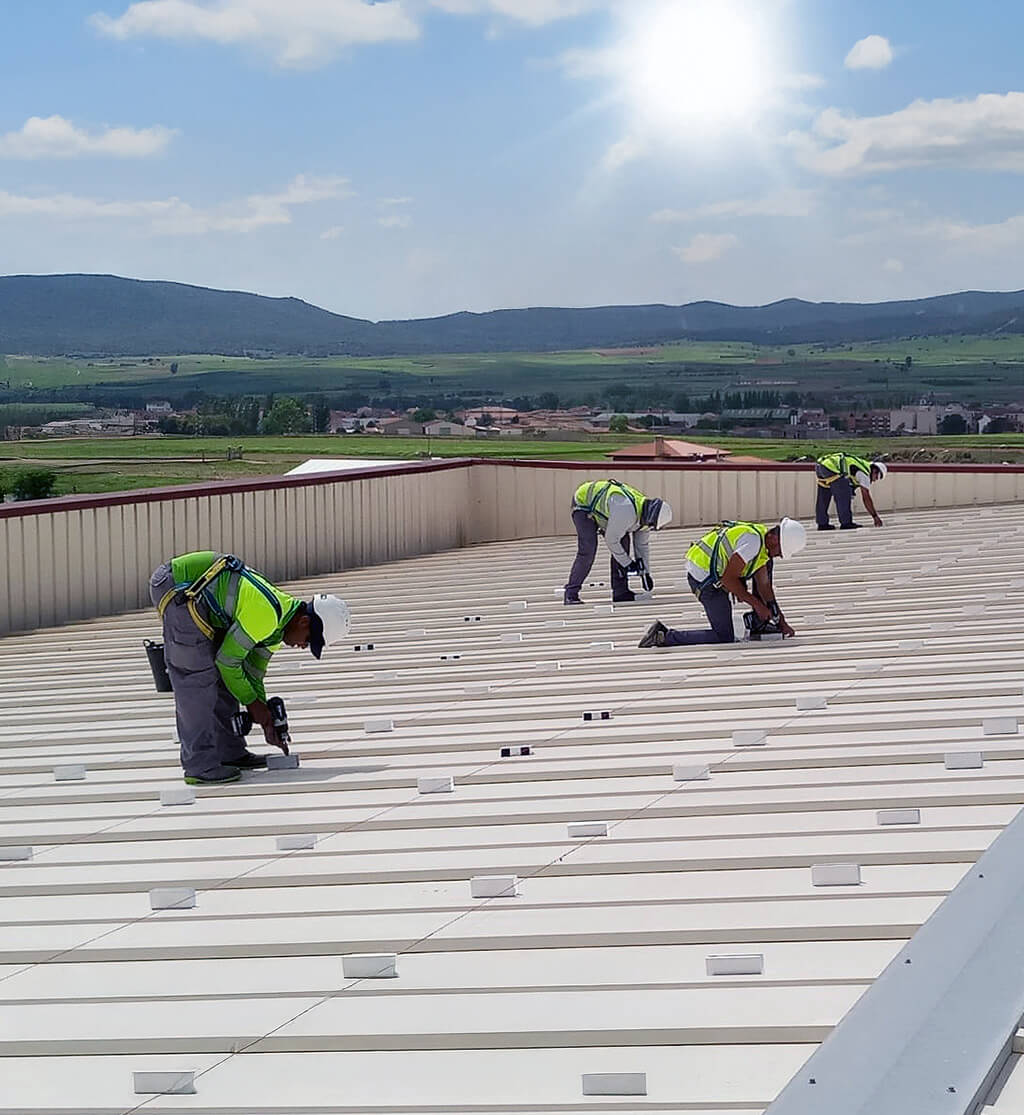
713, 579
191, 592
600, 490
858, 463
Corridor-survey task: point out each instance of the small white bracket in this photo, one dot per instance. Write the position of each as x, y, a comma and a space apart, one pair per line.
178, 795
1000, 726
811, 703
588, 828
172, 898
297, 842
750, 737
898, 816
752, 965
615, 1084
73, 772
14, 852
835, 875
370, 966
374, 726
683, 773
494, 886
964, 760
175, 1083
436, 784
283, 762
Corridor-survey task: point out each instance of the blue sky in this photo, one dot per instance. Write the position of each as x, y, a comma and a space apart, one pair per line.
419, 157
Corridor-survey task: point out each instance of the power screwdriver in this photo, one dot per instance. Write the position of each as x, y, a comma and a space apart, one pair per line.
242, 722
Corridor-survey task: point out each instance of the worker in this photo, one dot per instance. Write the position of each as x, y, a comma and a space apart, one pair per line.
840, 476
621, 514
720, 565
222, 622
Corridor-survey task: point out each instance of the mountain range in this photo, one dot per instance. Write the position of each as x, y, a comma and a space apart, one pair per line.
47, 315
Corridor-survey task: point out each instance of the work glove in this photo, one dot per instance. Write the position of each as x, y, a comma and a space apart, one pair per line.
634, 567
647, 581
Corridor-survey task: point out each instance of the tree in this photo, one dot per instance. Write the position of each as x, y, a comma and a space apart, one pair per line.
34, 483
619, 424
953, 424
174, 368
485, 419
286, 416
548, 400
909, 362
424, 415
321, 417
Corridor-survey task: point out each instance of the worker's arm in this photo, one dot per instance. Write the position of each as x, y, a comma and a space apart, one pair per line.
622, 520
869, 505
242, 670
733, 583
766, 591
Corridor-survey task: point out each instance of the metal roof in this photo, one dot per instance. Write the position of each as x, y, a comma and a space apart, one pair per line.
600, 964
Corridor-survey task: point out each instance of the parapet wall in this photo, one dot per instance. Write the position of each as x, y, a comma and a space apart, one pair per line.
86, 556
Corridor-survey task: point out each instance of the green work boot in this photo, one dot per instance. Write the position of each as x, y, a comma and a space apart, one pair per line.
215, 777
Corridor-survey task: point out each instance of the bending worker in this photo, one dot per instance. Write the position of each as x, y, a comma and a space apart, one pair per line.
840, 475
620, 513
720, 565
222, 622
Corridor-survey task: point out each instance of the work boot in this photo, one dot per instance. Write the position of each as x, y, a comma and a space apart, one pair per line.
626, 597
850, 526
572, 598
826, 526
215, 777
247, 761
655, 635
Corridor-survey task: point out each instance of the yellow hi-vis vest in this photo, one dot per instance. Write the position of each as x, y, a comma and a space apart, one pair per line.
593, 498
842, 464
712, 553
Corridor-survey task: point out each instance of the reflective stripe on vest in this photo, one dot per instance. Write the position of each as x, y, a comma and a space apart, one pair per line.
714, 551
593, 498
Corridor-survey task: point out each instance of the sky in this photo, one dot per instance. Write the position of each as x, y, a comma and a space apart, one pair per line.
411, 158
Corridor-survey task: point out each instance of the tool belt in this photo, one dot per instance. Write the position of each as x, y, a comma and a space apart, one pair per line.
190, 594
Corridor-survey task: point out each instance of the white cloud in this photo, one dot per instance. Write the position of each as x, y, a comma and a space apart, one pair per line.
872, 53
396, 220
624, 151
785, 203
333, 232
893, 265
980, 238
55, 137
395, 201
174, 217
296, 33
986, 133
706, 247
534, 13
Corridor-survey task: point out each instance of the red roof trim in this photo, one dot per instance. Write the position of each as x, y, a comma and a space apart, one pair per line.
278, 483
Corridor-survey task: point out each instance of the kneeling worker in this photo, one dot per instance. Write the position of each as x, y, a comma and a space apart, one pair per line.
840, 475
222, 622
719, 566
620, 513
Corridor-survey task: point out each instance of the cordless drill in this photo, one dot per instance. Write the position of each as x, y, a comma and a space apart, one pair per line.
242, 722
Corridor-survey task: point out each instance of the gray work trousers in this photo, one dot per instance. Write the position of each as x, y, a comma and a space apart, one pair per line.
842, 491
202, 702
586, 551
717, 605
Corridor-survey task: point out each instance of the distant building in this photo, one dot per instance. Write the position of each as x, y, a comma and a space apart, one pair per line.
401, 427
663, 448
162, 407
441, 428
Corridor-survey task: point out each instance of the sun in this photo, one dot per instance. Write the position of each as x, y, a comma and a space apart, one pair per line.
697, 64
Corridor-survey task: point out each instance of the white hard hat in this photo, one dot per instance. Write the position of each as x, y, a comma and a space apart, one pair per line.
664, 515
882, 467
792, 537
330, 620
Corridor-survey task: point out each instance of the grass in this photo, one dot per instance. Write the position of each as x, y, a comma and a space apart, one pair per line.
110, 465
992, 367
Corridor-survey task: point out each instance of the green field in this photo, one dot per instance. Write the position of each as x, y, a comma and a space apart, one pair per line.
992, 368
87, 465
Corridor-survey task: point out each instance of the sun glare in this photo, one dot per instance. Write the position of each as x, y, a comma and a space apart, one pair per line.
698, 64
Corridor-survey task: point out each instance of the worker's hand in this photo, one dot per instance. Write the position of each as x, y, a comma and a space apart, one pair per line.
647, 581
763, 611
787, 631
633, 567
262, 716
878, 522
